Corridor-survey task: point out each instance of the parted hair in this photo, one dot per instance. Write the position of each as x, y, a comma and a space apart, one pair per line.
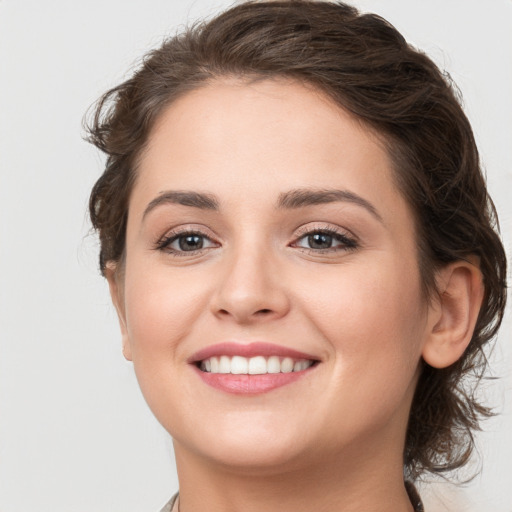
366, 67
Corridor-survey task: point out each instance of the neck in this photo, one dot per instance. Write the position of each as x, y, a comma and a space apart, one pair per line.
329, 485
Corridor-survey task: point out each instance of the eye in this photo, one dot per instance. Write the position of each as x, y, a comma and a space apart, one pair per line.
319, 240
185, 242
325, 240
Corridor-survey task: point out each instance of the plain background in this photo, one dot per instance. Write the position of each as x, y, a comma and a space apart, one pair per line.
75, 433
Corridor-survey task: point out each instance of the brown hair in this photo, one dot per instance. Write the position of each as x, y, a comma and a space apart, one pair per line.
366, 67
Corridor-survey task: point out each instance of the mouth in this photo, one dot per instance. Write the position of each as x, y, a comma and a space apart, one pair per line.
251, 368
258, 365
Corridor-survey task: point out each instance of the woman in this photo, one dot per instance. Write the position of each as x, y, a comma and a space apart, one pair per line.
301, 250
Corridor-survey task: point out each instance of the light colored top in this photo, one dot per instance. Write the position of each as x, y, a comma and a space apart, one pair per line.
170, 505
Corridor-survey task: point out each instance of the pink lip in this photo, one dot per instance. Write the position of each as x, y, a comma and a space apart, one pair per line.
249, 384
257, 348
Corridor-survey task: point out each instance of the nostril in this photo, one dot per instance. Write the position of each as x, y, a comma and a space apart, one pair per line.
264, 311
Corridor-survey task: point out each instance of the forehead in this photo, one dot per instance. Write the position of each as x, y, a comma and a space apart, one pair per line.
240, 139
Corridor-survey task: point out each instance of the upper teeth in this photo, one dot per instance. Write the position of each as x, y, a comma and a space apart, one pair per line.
253, 365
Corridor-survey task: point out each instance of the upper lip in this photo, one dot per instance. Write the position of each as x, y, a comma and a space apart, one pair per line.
256, 348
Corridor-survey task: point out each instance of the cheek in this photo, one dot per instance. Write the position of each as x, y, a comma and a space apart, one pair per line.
372, 316
372, 321
161, 309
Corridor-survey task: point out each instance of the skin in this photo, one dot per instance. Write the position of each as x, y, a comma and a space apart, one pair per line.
335, 437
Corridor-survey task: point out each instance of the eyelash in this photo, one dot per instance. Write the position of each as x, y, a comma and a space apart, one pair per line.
164, 244
348, 243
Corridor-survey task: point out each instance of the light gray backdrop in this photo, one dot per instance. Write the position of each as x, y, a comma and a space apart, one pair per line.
75, 433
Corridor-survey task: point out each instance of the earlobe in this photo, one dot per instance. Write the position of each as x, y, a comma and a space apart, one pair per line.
454, 314
116, 294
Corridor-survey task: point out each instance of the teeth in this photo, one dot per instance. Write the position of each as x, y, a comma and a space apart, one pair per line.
258, 365
239, 365
287, 365
224, 364
273, 364
302, 365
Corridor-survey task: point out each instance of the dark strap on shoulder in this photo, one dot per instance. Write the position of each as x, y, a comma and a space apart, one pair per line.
414, 497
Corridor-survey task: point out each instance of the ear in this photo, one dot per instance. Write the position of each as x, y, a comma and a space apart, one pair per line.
454, 314
117, 296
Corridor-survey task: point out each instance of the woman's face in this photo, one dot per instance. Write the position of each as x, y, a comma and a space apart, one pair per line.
265, 224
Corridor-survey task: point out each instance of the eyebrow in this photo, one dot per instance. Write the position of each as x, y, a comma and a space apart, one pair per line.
297, 198
184, 198
301, 197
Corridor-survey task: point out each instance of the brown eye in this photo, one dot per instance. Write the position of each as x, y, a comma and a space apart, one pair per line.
320, 241
185, 242
190, 242
323, 240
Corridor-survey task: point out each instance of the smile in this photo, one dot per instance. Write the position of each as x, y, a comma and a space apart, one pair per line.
258, 365
249, 369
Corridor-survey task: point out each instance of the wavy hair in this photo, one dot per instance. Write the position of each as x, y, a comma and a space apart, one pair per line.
365, 65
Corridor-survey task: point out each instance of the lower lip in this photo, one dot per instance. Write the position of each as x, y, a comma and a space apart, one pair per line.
250, 384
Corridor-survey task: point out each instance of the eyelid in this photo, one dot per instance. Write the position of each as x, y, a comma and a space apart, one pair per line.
312, 227
163, 242
350, 241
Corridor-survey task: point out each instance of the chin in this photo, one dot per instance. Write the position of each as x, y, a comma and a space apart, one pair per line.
252, 448
254, 459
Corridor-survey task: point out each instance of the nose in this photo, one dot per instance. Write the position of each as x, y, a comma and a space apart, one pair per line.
250, 289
